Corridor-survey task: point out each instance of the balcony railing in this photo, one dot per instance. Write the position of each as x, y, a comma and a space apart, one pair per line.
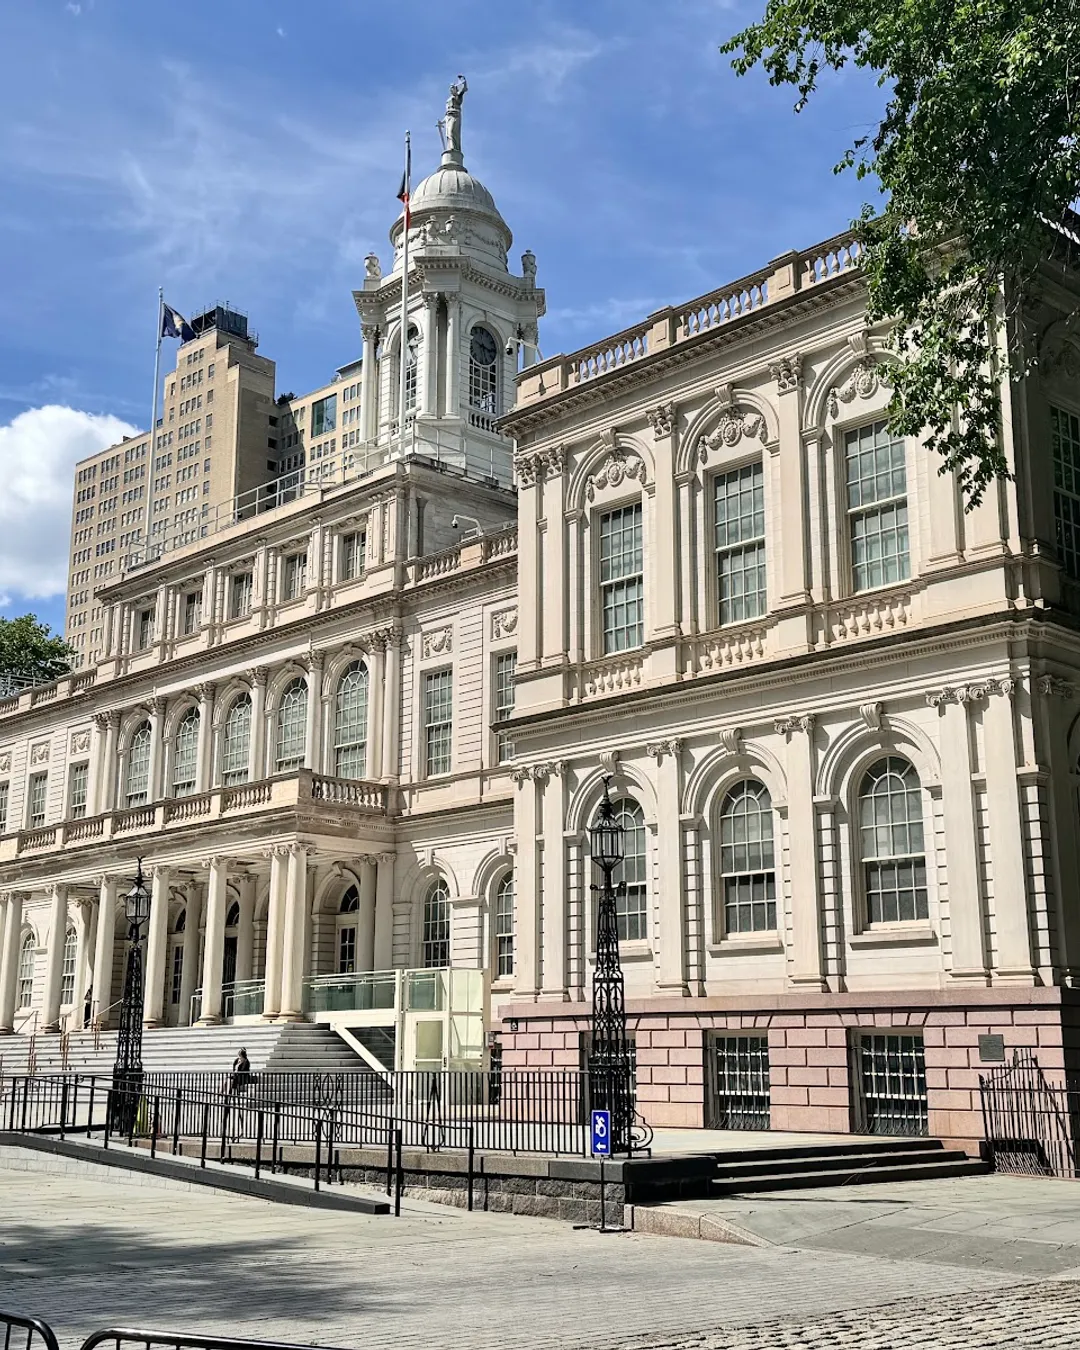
293, 790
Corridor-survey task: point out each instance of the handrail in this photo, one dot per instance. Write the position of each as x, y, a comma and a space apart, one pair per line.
33, 1326
177, 1340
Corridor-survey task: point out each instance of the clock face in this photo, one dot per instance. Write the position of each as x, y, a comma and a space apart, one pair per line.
483, 347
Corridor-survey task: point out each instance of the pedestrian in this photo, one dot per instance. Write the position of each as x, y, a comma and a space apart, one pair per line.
87, 1005
241, 1073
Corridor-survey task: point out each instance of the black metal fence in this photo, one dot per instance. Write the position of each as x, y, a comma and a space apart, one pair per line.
26, 1333
1032, 1124
30, 1333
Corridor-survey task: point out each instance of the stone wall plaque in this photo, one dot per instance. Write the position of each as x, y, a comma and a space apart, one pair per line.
991, 1049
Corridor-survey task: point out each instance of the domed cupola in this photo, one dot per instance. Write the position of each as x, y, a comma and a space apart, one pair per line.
452, 209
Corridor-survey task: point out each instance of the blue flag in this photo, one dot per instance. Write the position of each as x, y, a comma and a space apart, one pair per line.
174, 325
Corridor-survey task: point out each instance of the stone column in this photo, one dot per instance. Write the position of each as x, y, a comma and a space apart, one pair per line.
157, 749
671, 962
205, 764
1011, 920
453, 364
275, 936
961, 839
376, 673
429, 394
54, 959
553, 543
790, 537
527, 935
101, 996
98, 733
365, 917
384, 912
807, 970
9, 958
257, 766
554, 900
189, 972
84, 970
292, 961
110, 768
214, 940
369, 388
392, 706
312, 749
245, 936
157, 944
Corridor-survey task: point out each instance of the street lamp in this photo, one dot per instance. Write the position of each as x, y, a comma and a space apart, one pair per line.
609, 1059
127, 1067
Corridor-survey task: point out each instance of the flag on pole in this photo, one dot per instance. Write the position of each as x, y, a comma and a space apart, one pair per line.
174, 325
406, 176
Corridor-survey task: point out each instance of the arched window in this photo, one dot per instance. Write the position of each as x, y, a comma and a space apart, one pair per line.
436, 952
748, 878
412, 366
232, 918
137, 777
504, 927
291, 727
632, 900
67, 969
483, 372
350, 723
186, 754
236, 741
181, 922
891, 842
27, 959
346, 932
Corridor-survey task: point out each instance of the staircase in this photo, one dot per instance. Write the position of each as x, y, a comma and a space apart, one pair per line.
854, 1163
289, 1048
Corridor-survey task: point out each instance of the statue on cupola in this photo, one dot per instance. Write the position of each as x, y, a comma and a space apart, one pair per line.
452, 121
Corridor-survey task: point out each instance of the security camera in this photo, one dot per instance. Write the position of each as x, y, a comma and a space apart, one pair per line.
454, 524
510, 347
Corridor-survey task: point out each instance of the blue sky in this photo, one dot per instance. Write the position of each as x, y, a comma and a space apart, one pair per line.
249, 150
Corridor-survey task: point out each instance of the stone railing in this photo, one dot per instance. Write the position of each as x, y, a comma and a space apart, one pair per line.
34, 695
668, 327
295, 791
501, 545
614, 675
725, 647
868, 616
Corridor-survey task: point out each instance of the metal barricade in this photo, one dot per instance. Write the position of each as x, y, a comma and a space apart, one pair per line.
25, 1333
137, 1338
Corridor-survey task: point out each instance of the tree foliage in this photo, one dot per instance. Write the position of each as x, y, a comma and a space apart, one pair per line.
30, 653
979, 147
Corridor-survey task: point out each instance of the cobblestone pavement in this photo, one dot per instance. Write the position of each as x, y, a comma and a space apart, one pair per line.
84, 1252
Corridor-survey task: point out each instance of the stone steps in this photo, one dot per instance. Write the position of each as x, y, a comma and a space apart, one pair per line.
841, 1164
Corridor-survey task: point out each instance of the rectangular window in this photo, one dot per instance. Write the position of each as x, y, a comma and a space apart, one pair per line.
505, 668
37, 796
240, 595
346, 962
892, 1084
324, 415
353, 552
78, 779
176, 981
622, 587
877, 507
192, 612
1065, 445
740, 1070
740, 544
438, 720
294, 576
146, 629
3, 807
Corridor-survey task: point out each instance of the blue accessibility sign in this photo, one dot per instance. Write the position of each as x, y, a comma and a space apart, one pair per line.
601, 1134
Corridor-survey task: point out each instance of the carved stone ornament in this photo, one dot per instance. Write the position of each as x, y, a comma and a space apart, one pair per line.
970, 693
504, 623
609, 761
5, 761
785, 726
730, 430
80, 742
540, 465
658, 749
661, 419
1059, 352
787, 372
871, 715
618, 467
39, 754
1051, 687
731, 740
864, 381
438, 642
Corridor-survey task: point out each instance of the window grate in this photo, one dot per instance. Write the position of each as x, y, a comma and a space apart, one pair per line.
741, 1083
892, 1084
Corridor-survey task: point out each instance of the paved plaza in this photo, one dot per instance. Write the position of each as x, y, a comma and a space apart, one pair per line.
84, 1251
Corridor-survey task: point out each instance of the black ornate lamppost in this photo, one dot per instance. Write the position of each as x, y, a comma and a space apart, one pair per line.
127, 1068
610, 1073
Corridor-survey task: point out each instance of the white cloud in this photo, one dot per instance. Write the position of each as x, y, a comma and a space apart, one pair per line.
38, 452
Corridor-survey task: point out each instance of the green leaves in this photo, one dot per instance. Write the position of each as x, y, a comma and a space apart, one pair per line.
30, 651
979, 143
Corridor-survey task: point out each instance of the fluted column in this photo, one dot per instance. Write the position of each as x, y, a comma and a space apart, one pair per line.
84, 969
214, 940
98, 733
189, 970
392, 707
101, 997
376, 662
205, 763
275, 936
806, 906
54, 959
369, 389
110, 768
384, 912
312, 749
365, 917
157, 749
430, 394
292, 962
453, 364
257, 766
245, 937
671, 922
9, 958
157, 943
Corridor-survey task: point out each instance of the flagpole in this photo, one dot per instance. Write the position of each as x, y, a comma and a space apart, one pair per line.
153, 432
403, 350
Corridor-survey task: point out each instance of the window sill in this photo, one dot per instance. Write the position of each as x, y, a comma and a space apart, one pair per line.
745, 944
503, 985
639, 950
894, 934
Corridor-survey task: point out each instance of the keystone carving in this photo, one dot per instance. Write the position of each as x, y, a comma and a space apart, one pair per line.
785, 726
731, 740
730, 430
662, 420
787, 372
863, 382
871, 715
618, 467
439, 642
658, 749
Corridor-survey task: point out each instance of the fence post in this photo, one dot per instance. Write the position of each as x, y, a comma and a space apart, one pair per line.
276, 1140
63, 1107
318, 1150
155, 1124
108, 1115
90, 1108
205, 1129
14, 1094
258, 1142
399, 1177
390, 1157
176, 1122
472, 1160
25, 1102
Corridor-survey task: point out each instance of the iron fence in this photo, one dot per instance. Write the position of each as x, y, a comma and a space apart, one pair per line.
30, 1333
26, 1333
1031, 1124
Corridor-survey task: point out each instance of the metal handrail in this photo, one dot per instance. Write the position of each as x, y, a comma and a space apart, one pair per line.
33, 1326
177, 1340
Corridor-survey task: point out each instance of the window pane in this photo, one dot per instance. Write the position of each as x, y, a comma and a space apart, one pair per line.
746, 860
39, 798
27, 958
236, 742
3, 806
740, 544
438, 720
350, 723
67, 974
1065, 446
631, 874
186, 754
353, 548
891, 841
877, 506
505, 669
436, 936
504, 926
621, 581
292, 727
137, 782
